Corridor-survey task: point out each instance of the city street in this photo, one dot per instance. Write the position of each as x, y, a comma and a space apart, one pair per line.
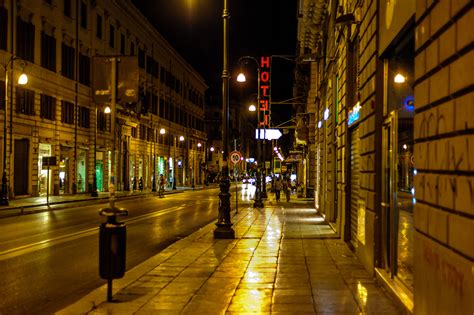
50, 259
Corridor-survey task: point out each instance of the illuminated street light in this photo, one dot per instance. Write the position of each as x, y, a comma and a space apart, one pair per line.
399, 78
252, 108
241, 78
162, 131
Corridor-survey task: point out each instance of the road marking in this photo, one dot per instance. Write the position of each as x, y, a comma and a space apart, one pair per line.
20, 250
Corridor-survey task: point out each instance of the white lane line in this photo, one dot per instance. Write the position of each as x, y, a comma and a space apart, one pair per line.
20, 250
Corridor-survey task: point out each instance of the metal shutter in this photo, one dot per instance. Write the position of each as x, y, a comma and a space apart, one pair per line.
355, 183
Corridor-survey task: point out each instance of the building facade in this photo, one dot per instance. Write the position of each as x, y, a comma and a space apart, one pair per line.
55, 42
390, 92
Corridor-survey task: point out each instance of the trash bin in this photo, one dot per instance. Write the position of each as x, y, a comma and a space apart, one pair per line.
112, 250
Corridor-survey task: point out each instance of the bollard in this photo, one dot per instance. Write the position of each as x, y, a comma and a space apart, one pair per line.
112, 247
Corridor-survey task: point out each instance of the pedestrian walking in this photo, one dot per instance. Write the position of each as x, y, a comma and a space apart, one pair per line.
277, 189
161, 190
286, 190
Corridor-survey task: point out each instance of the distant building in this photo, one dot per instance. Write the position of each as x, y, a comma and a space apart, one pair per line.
54, 114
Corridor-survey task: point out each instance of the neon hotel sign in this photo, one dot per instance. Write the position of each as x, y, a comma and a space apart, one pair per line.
264, 109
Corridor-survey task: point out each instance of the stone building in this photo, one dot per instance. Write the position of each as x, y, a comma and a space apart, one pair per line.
55, 43
390, 140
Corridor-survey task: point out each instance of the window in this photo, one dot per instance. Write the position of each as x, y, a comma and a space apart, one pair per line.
67, 8
143, 130
112, 36
122, 44
162, 108
149, 64
134, 132
132, 49
98, 31
2, 94
25, 101
3, 28
101, 121
83, 117
154, 104
25, 40
68, 55
151, 135
48, 52
83, 15
84, 70
48, 107
141, 58
67, 112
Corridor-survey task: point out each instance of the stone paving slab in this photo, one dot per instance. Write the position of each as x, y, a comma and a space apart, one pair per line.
279, 262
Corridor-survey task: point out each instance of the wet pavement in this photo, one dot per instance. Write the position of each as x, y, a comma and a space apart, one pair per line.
284, 259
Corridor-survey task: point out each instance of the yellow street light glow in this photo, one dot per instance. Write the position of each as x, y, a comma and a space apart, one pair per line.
199, 144
399, 78
252, 108
241, 78
212, 149
162, 131
23, 79
107, 110
181, 138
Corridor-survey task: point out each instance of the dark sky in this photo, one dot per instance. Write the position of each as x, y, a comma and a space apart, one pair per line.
256, 28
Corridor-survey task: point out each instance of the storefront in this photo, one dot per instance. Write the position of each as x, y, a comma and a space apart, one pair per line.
44, 179
99, 171
66, 155
132, 175
397, 50
81, 171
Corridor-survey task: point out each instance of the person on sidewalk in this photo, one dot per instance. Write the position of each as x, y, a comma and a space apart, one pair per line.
286, 189
161, 190
277, 189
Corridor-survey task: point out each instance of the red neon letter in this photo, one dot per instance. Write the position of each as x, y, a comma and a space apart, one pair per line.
264, 90
265, 62
264, 76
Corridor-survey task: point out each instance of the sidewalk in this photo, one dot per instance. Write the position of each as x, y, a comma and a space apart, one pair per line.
283, 259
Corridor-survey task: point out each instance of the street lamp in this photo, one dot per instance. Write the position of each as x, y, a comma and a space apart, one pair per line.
22, 80
224, 226
258, 203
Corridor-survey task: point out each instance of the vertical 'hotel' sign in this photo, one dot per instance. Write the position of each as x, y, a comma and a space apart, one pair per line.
264, 92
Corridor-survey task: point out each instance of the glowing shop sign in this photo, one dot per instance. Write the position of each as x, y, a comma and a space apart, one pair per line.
354, 114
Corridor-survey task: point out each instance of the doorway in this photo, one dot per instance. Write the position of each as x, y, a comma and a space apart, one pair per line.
21, 169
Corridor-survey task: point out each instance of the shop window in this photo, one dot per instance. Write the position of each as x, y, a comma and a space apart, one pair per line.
67, 61
3, 28
25, 40
84, 69
48, 52
83, 117
67, 112
48, 107
25, 101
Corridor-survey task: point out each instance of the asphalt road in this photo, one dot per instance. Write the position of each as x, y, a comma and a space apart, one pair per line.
49, 260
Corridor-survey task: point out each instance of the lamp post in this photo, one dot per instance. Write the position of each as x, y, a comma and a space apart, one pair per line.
22, 80
224, 226
153, 181
258, 203
181, 139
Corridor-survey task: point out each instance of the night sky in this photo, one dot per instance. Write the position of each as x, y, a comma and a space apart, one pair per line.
257, 27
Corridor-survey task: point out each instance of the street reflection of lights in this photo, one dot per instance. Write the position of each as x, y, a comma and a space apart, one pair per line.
362, 291
313, 220
399, 78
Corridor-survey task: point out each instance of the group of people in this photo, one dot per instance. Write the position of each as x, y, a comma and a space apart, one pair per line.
286, 185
